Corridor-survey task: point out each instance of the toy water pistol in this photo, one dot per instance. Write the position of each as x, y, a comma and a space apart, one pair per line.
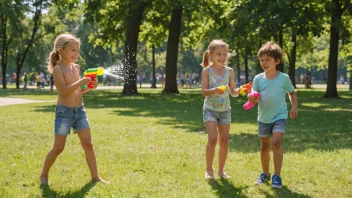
92, 73
245, 89
250, 104
223, 87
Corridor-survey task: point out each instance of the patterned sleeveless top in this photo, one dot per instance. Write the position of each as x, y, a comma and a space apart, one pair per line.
218, 102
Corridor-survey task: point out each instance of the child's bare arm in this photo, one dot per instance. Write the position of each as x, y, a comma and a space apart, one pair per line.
233, 90
95, 84
293, 100
252, 99
61, 86
87, 89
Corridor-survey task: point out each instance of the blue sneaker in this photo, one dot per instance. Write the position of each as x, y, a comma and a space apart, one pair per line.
277, 182
263, 178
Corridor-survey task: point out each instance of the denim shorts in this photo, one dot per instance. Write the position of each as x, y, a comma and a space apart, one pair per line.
267, 129
67, 118
216, 116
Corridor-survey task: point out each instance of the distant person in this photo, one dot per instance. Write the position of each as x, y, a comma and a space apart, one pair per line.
342, 79
14, 78
302, 79
139, 80
151, 79
163, 81
70, 112
216, 108
182, 80
37, 80
52, 83
187, 80
272, 86
25, 81
42, 80
308, 81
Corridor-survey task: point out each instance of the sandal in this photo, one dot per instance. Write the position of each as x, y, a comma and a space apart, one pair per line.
208, 176
224, 175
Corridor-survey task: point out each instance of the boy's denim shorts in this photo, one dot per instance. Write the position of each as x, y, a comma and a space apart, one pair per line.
67, 118
216, 116
267, 129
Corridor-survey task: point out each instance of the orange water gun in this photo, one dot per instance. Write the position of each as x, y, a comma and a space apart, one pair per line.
245, 89
93, 73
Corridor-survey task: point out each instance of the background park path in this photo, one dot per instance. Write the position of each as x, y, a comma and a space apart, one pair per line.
13, 101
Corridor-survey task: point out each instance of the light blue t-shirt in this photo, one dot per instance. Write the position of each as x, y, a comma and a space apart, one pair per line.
218, 102
272, 103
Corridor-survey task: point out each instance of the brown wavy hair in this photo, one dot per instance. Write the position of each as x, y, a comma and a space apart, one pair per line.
273, 50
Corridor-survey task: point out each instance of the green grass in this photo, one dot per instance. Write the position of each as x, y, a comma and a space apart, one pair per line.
153, 145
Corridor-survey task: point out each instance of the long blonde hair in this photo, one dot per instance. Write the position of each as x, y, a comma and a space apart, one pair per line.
212, 46
60, 42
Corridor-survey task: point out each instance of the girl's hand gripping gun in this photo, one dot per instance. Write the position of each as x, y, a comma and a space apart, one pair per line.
93, 73
250, 104
245, 89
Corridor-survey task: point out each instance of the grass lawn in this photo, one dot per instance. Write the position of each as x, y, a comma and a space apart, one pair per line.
153, 145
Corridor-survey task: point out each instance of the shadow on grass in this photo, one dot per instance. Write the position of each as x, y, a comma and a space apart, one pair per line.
224, 188
80, 193
292, 142
284, 192
323, 124
20, 92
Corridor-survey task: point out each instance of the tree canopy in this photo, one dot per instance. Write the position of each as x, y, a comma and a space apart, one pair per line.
169, 37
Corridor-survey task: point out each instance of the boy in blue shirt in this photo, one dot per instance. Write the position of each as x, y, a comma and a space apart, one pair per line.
272, 109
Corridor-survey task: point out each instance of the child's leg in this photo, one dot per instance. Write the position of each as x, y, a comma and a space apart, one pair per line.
59, 145
86, 142
211, 144
265, 154
277, 152
224, 146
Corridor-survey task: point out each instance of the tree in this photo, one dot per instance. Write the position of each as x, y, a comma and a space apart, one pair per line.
153, 30
10, 16
29, 29
172, 50
305, 20
129, 60
118, 20
243, 34
336, 8
5, 46
28, 38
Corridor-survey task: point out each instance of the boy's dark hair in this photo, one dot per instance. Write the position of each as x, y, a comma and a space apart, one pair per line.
273, 50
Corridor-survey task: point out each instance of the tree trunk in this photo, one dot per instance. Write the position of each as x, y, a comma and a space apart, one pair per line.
4, 50
130, 54
22, 57
172, 50
246, 64
336, 13
153, 62
292, 69
19, 66
238, 65
281, 43
350, 80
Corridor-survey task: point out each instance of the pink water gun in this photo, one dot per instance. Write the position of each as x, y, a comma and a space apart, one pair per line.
250, 104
